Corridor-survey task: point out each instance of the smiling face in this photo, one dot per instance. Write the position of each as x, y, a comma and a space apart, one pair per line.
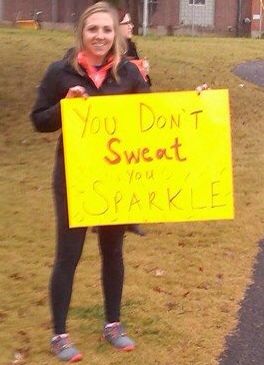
126, 26
98, 36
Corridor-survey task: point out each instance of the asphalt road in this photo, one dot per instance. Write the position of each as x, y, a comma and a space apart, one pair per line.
252, 71
245, 346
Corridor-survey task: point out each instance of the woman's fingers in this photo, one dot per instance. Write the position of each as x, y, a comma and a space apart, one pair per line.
145, 64
77, 92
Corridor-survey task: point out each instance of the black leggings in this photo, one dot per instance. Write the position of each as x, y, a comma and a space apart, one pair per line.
69, 249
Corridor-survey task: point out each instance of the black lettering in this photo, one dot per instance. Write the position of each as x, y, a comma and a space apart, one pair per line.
171, 198
214, 195
152, 196
146, 125
196, 113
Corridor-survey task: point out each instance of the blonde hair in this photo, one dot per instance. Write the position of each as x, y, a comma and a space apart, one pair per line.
119, 45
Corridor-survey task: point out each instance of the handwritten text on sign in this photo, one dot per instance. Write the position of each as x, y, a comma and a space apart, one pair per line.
155, 157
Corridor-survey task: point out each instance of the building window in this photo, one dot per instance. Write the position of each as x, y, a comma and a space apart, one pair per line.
196, 2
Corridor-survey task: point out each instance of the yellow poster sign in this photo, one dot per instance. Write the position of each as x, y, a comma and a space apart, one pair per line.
158, 157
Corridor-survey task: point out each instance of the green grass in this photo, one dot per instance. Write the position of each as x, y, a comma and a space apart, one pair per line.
181, 317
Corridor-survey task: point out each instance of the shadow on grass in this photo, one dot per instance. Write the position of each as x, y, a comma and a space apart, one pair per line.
245, 345
87, 312
97, 312
92, 320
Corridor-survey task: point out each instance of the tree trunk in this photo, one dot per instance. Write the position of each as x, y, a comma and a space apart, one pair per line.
133, 6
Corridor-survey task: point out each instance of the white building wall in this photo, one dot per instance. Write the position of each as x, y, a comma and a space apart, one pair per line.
197, 14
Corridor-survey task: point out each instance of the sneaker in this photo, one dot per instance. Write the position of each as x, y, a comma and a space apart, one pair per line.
136, 229
94, 229
64, 349
116, 336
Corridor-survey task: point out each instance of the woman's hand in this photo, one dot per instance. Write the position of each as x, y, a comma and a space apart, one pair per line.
145, 64
77, 92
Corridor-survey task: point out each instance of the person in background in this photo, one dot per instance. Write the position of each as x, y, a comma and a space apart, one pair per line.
95, 68
126, 27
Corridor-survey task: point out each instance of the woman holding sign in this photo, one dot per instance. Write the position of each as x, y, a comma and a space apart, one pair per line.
95, 68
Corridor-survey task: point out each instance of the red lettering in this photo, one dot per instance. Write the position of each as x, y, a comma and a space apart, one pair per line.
162, 152
141, 154
176, 146
130, 156
117, 158
144, 152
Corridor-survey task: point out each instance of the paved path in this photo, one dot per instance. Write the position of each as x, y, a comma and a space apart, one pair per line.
246, 345
252, 71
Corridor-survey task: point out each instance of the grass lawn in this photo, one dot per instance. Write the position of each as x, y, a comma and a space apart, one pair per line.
180, 317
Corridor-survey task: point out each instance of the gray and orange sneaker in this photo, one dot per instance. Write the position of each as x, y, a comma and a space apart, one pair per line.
136, 229
116, 336
62, 347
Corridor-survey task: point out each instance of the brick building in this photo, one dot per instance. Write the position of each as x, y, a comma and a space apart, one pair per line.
238, 17
234, 17
257, 25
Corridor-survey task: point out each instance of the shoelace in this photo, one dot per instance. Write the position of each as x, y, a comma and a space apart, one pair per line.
61, 344
115, 331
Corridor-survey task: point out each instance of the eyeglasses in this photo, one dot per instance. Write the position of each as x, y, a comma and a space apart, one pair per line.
127, 23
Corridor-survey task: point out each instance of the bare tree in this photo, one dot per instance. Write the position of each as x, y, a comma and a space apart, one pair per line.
133, 6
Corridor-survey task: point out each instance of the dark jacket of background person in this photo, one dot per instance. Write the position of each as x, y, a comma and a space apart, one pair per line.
132, 54
131, 50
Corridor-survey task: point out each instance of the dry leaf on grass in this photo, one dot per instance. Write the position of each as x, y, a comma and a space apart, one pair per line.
159, 272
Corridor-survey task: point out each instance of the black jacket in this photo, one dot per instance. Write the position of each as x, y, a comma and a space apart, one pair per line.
131, 50
132, 54
61, 76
